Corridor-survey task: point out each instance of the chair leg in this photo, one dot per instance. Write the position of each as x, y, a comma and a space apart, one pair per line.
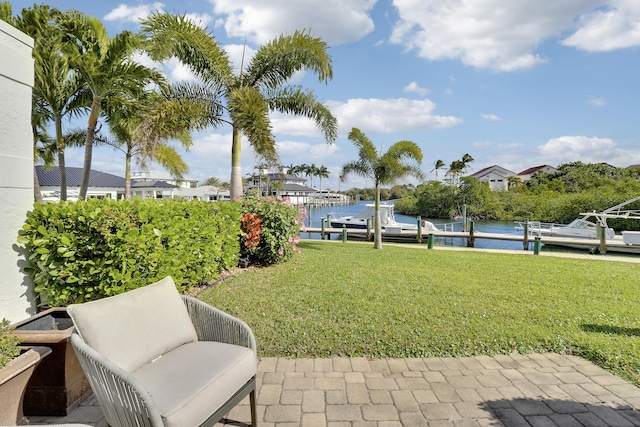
252, 403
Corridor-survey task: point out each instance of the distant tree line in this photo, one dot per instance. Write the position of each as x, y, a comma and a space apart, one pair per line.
558, 197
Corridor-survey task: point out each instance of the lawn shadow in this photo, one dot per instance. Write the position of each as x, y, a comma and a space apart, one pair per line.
610, 329
538, 412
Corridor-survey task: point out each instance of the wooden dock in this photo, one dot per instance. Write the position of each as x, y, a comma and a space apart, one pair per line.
410, 236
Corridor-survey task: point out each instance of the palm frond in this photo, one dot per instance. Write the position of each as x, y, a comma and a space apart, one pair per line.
250, 113
275, 62
177, 36
297, 101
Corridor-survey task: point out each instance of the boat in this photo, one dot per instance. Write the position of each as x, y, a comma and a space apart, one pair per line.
580, 232
387, 220
585, 227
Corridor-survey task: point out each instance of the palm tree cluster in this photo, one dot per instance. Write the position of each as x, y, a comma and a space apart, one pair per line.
309, 171
80, 70
456, 169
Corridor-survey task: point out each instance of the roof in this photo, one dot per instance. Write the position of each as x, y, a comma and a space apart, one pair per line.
51, 177
534, 169
489, 169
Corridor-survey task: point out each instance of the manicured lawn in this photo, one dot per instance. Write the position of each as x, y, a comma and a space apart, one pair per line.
351, 300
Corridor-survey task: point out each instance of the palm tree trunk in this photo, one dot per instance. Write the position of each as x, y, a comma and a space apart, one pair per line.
60, 143
88, 147
127, 174
236, 170
37, 194
377, 242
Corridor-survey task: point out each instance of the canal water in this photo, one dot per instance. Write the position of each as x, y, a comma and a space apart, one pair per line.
316, 215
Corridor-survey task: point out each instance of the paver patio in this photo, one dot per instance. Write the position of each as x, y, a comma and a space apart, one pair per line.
512, 391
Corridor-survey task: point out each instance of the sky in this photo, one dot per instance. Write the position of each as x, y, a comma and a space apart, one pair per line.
512, 83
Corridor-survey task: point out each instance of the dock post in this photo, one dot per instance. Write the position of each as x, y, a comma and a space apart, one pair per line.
419, 236
430, 240
536, 246
368, 229
344, 234
471, 242
526, 235
602, 235
322, 228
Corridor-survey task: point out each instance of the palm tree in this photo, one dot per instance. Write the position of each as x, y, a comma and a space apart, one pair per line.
439, 164
466, 159
57, 91
322, 172
257, 89
382, 169
106, 68
144, 126
216, 182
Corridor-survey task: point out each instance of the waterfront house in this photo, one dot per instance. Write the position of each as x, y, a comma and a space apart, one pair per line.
496, 176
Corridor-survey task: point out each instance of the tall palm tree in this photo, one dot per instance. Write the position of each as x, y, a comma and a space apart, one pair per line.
257, 89
438, 164
322, 172
106, 68
144, 126
57, 91
466, 159
383, 169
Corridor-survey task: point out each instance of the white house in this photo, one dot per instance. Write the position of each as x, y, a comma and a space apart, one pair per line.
496, 176
17, 301
101, 185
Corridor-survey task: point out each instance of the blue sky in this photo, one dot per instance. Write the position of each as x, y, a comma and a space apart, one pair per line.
513, 83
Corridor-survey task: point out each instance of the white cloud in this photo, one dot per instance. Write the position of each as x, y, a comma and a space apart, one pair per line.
481, 144
297, 152
200, 19
133, 13
597, 102
615, 26
490, 117
491, 34
572, 148
413, 87
390, 115
336, 21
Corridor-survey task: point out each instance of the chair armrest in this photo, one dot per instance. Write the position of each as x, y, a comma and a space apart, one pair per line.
122, 398
215, 325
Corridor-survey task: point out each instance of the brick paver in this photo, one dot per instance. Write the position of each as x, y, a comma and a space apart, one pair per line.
507, 390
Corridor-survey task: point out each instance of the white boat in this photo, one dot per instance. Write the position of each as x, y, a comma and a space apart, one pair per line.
387, 220
586, 228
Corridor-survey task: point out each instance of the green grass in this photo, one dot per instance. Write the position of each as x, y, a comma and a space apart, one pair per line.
351, 300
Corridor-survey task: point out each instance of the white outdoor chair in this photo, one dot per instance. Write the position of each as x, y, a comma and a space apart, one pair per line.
156, 358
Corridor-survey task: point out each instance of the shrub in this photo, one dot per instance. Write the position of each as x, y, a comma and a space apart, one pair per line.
84, 251
278, 228
9, 348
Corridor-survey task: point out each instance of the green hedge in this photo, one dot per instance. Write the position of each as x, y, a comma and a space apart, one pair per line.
89, 250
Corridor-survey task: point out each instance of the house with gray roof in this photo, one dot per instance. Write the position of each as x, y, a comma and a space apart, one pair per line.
101, 185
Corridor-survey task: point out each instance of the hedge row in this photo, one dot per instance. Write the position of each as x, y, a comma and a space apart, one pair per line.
89, 250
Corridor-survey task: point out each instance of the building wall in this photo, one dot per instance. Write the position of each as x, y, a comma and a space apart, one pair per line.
16, 168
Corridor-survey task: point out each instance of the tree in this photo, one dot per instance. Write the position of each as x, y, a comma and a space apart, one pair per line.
145, 125
216, 182
322, 172
106, 68
57, 91
383, 169
438, 164
256, 89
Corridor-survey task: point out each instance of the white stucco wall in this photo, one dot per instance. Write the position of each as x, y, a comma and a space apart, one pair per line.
16, 168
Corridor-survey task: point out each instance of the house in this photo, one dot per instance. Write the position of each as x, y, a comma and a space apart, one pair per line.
293, 187
101, 185
496, 176
526, 174
205, 192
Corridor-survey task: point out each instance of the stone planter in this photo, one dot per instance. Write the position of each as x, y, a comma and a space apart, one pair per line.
13, 382
58, 384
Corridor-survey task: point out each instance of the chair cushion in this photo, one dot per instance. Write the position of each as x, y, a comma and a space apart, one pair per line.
191, 382
135, 327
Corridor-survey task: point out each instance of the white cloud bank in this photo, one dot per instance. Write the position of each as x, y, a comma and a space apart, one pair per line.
336, 21
503, 35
